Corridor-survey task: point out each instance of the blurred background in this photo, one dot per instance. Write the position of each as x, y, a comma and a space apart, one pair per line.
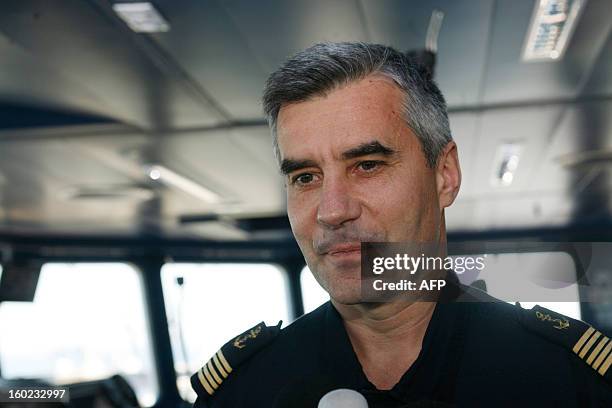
142, 216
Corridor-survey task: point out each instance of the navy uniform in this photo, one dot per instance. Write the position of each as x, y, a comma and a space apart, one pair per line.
477, 351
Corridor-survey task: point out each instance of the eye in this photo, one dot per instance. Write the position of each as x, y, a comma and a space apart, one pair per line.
302, 179
369, 165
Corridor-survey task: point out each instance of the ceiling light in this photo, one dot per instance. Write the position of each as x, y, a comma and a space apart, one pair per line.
170, 178
505, 164
552, 25
141, 17
154, 174
107, 192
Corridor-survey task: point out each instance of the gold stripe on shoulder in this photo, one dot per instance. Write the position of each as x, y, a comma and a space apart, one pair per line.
226, 365
589, 344
219, 366
209, 377
204, 383
602, 356
606, 365
212, 370
596, 350
583, 340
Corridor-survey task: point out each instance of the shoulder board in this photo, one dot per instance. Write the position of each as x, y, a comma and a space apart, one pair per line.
209, 378
589, 344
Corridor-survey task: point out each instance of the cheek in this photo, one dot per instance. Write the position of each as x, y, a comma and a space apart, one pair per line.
390, 193
400, 202
301, 218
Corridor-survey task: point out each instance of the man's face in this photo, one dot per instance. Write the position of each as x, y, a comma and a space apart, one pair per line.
354, 172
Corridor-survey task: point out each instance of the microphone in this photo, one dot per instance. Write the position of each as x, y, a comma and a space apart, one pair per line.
319, 392
343, 398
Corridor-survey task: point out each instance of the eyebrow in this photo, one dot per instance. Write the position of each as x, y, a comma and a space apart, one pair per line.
288, 166
367, 149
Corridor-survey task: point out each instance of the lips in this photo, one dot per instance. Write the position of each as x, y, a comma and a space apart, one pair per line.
344, 249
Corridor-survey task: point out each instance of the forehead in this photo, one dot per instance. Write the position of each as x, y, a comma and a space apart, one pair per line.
353, 114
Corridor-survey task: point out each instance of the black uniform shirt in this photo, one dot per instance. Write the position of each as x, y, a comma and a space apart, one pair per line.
473, 354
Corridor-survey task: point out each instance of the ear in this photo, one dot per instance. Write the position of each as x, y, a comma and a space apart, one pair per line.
448, 175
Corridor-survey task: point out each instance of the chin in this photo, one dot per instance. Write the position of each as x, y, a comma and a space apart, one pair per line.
342, 284
346, 295
347, 302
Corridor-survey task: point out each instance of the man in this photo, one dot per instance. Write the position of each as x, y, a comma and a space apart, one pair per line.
364, 144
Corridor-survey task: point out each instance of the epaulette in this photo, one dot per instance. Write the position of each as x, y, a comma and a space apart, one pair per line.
589, 344
233, 353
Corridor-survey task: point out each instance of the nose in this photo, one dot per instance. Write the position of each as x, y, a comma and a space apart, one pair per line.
337, 205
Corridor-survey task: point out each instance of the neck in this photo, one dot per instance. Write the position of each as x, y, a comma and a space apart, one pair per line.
386, 337
386, 320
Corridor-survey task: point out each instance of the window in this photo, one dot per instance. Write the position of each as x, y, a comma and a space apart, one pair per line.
531, 278
87, 322
313, 295
208, 304
509, 277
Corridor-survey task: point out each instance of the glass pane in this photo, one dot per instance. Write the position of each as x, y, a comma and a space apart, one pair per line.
513, 275
500, 268
214, 303
87, 322
600, 293
313, 295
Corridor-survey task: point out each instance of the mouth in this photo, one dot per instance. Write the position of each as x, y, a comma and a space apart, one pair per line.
344, 250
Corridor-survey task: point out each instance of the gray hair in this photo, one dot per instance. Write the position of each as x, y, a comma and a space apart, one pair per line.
327, 66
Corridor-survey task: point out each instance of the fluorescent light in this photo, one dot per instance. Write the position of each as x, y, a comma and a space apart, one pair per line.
141, 17
505, 164
552, 24
154, 174
170, 178
107, 192
507, 178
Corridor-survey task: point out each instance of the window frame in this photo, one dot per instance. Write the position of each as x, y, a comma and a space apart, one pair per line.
147, 255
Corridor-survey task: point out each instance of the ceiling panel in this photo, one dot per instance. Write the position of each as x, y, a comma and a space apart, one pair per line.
39, 176
481, 204
462, 42
205, 41
277, 29
508, 79
531, 128
99, 55
257, 140
600, 82
24, 79
43, 171
215, 160
510, 212
584, 127
464, 130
